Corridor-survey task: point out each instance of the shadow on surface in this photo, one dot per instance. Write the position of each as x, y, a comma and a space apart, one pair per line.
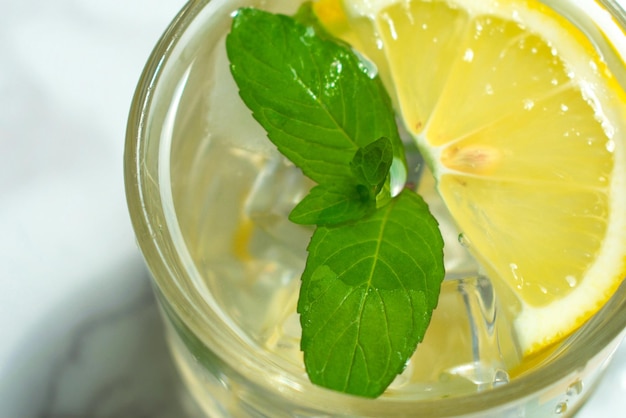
102, 353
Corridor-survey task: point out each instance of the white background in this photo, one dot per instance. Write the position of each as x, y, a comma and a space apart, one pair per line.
79, 333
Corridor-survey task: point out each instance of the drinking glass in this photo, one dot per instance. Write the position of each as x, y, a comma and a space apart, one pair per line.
208, 197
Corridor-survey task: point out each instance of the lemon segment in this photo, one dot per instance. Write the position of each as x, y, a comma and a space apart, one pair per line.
332, 14
523, 126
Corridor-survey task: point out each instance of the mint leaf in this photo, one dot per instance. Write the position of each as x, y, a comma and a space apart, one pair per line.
315, 98
368, 292
370, 165
333, 204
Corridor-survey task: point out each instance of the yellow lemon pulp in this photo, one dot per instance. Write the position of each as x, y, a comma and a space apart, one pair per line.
523, 126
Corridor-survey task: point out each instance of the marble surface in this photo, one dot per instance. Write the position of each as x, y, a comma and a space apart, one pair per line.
80, 334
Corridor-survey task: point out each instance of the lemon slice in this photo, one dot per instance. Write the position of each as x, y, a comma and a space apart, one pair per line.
523, 126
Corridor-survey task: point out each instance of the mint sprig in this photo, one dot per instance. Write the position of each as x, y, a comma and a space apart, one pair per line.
355, 196
367, 294
314, 97
375, 262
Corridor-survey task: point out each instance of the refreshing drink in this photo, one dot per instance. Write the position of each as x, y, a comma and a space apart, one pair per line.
210, 197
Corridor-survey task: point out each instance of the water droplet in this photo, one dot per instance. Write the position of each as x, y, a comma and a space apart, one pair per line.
463, 240
564, 107
514, 268
489, 89
610, 146
528, 104
560, 408
366, 64
575, 388
469, 55
500, 378
571, 281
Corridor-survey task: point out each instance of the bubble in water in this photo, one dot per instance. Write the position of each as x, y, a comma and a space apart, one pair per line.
528, 104
463, 240
482, 375
514, 268
500, 378
560, 408
575, 388
571, 281
610, 146
368, 65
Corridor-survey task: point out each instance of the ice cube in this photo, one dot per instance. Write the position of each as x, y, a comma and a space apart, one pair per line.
468, 346
277, 189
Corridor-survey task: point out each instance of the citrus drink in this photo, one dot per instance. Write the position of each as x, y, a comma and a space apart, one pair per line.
510, 202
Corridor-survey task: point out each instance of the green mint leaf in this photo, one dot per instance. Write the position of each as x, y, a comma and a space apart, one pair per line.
383, 197
333, 204
370, 165
367, 296
318, 102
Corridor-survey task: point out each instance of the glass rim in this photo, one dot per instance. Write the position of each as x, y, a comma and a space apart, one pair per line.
142, 201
